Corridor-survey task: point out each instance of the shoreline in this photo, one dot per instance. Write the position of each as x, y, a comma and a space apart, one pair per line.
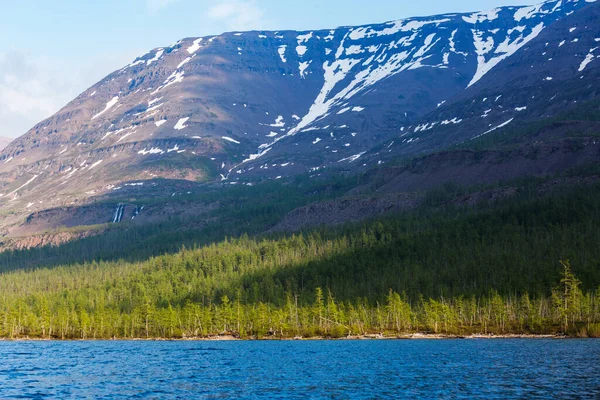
375, 337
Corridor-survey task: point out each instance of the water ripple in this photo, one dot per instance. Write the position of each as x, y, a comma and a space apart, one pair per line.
443, 369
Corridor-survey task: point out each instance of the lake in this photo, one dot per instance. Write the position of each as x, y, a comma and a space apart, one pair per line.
499, 368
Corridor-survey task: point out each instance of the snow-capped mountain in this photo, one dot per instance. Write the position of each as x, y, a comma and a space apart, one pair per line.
246, 106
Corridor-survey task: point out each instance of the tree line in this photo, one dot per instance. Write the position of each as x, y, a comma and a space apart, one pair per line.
445, 270
75, 316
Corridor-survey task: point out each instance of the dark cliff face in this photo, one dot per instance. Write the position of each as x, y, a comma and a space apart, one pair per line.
249, 106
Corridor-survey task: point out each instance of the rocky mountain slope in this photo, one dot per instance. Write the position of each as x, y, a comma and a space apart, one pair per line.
244, 107
554, 72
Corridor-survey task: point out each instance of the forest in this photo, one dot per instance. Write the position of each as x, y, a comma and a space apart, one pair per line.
527, 265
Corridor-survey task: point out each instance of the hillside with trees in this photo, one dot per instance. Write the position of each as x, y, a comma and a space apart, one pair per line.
440, 269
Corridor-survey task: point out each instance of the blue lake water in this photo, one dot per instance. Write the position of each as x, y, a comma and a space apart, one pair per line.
520, 368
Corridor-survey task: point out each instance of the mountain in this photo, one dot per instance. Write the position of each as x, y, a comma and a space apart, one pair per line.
247, 107
434, 174
4, 142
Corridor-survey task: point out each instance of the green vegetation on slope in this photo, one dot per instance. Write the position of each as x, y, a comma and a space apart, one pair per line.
241, 209
459, 271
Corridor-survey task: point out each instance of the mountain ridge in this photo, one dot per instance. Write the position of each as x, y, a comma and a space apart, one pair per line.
351, 98
4, 141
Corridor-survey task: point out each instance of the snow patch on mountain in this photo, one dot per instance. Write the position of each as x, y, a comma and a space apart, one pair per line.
156, 57
504, 50
195, 46
303, 66
301, 50
352, 158
588, 59
181, 124
185, 61
480, 17
108, 106
502, 125
95, 164
230, 139
281, 50
153, 150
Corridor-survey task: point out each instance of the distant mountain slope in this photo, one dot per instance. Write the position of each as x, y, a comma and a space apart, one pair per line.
249, 106
4, 142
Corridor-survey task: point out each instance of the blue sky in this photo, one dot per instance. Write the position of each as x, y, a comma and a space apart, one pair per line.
50, 51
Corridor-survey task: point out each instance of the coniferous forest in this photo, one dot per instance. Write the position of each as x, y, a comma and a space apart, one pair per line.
527, 265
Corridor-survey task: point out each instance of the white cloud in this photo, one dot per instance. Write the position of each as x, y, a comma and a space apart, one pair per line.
29, 91
238, 15
157, 5
33, 88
